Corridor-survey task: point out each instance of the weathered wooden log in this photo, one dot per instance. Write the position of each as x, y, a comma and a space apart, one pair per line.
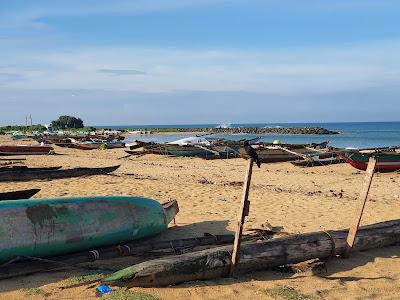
214, 263
33, 265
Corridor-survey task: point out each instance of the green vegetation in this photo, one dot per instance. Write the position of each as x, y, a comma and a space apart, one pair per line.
67, 122
83, 129
124, 294
32, 128
286, 292
85, 278
36, 292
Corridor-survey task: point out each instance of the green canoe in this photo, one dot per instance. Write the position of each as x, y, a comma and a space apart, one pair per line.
48, 227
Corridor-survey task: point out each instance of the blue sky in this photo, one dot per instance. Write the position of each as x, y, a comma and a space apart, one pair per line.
192, 61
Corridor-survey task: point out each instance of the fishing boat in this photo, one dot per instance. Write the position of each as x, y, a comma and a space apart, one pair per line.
27, 175
188, 147
139, 144
271, 153
318, 162
191, 151
65, 145
89, 145
50, 227
208, 148
230, 148
25, 149
16, 195
19, 136
386, 161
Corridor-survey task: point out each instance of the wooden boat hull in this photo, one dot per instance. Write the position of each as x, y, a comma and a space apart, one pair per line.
65, 145
270, 155
24, 150
386, 162
139, 144
319, 162
193, 153
26, 175
16, 195
50, 227
273, 154
94, 146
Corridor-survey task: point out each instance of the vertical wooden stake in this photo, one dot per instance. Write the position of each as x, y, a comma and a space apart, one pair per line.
244, 211
360, 208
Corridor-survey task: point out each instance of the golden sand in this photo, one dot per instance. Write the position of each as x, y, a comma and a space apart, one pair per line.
209, 192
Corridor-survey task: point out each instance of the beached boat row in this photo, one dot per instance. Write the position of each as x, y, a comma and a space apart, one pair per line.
220, 148
305, 155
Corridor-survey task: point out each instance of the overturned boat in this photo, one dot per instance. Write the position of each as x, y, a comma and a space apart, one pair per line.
50, 227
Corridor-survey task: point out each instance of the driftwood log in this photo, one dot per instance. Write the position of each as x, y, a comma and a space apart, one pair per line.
26, 266
214, 263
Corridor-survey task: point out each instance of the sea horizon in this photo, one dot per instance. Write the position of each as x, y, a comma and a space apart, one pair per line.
236, 125
351, 134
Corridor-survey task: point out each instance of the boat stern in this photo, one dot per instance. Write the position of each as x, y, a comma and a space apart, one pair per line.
171, 209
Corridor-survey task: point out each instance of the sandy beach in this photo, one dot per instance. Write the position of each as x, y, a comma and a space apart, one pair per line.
209, 192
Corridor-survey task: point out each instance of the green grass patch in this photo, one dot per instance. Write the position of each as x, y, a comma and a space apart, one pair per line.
36, 292
124, 294
85, 278
287, 293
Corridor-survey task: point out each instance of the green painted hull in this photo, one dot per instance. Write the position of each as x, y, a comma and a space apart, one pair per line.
386, 162
49, 227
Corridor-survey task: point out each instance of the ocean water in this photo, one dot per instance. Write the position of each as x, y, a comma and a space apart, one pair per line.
352, 134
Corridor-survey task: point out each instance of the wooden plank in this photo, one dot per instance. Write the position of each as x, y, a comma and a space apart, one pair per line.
244, 211
361, 205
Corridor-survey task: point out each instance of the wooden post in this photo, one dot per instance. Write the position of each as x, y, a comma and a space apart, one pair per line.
244, 211
360, 208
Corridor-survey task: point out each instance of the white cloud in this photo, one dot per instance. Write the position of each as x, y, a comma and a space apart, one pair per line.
121, 72
282, 71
